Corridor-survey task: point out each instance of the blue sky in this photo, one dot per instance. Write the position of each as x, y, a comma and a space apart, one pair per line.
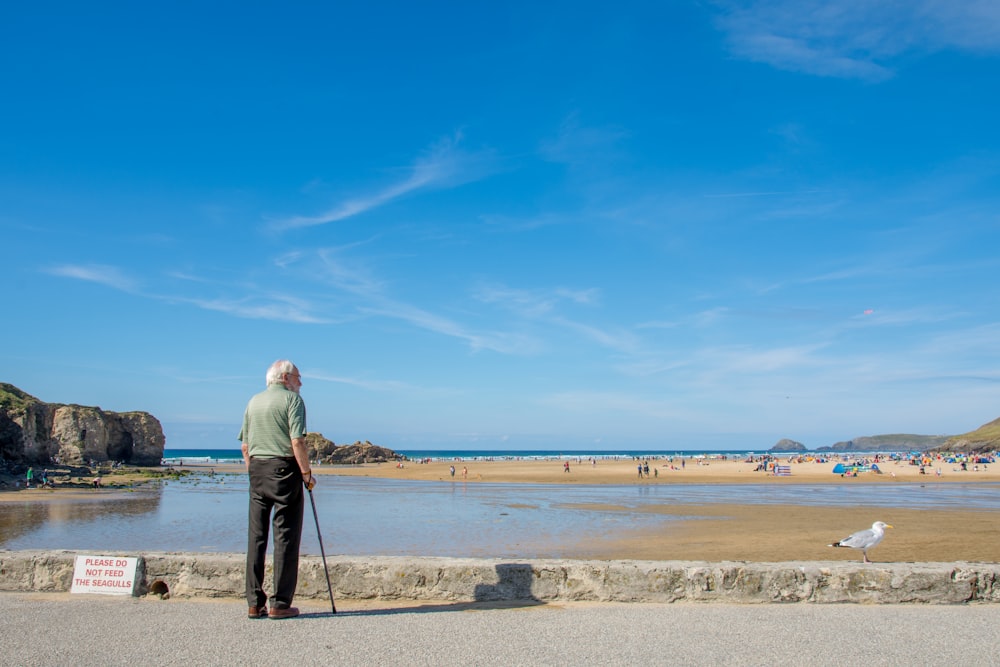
691, 224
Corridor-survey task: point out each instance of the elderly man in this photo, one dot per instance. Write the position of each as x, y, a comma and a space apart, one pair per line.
275, 454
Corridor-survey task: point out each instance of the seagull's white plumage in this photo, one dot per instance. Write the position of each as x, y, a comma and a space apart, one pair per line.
864, 539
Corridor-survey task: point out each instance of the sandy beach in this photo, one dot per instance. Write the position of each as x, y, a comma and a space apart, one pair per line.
718, 532
604, 471
624, 471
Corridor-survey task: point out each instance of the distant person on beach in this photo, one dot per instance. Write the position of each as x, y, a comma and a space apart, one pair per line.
566, 466
276, 458
28, 476
452, 470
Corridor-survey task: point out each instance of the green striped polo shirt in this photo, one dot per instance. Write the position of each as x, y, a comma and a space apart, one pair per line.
273, 418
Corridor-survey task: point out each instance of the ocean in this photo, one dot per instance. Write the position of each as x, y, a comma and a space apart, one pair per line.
175, 456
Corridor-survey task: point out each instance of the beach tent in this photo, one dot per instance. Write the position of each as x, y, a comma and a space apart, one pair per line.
839, 469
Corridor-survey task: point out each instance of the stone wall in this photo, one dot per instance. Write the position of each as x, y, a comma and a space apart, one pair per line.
469, 579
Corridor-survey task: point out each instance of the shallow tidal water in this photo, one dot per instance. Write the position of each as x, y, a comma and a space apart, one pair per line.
370, 516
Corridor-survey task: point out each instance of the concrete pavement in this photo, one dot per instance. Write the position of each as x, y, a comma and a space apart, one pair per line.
59, 628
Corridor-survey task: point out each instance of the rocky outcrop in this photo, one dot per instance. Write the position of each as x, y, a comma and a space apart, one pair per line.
786, 445
360, 452
319, 447
363, 452
35, 432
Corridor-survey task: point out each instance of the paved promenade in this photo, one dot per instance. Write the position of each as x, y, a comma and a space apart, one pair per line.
59, 628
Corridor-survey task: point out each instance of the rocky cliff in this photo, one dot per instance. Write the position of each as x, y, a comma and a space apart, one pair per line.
35, 432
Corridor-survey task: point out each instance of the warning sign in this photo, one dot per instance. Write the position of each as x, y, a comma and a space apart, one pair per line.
109, 575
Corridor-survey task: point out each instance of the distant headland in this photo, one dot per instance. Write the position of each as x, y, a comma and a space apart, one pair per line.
986, 438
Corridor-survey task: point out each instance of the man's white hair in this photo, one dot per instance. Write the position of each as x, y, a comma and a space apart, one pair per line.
277, 371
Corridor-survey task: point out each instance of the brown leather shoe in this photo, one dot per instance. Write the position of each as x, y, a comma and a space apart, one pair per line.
287, 612
257, 612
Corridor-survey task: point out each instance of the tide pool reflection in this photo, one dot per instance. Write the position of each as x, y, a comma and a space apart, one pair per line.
61, 518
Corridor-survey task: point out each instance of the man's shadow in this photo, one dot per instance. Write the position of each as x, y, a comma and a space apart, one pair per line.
512, 590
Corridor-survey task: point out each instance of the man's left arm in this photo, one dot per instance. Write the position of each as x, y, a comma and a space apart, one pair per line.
297, 426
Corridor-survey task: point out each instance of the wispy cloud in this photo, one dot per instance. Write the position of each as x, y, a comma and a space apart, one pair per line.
899, 318
617, 339
577, 144
444, 165
522, 224
361, 383
602, 403
357, 279
541, 305
855, 38
696, 319
352, 276
276, 307
981, 342
101, 274
258, 306
734, 195
744, 360
534, 302
497, 341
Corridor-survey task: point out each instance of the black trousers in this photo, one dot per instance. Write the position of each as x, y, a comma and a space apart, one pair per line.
275, 485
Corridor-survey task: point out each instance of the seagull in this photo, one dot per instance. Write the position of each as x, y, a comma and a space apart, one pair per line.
864, 539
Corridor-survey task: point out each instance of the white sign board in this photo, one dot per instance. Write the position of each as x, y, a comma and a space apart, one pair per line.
108, 575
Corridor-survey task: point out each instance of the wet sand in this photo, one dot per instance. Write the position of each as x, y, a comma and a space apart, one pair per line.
716, 532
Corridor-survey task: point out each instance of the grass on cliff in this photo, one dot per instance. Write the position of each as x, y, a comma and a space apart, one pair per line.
13, 399
985, 433
985, 437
